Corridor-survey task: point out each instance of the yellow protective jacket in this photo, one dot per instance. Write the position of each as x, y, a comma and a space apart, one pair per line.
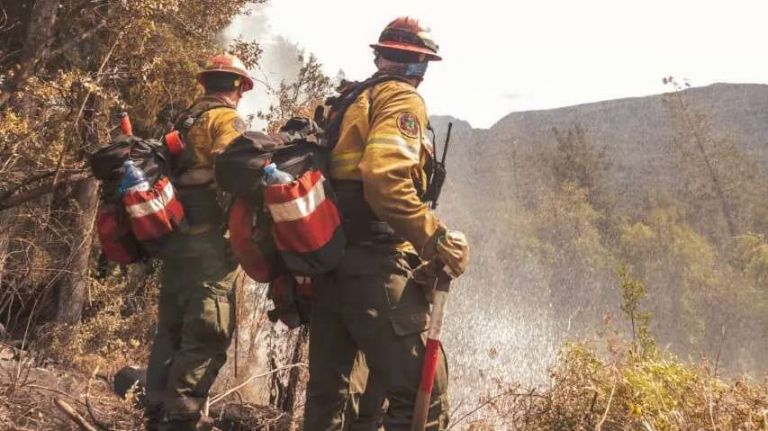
213, 130
382, 143
216, 125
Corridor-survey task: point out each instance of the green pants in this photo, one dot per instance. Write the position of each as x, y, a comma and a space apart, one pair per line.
195, 325
369, 304
365, 409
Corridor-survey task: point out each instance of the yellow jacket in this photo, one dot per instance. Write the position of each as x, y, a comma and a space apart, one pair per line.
383, 143
215, 127
213, 131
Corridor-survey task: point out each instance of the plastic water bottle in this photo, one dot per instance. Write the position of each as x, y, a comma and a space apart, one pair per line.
133, 176
272, 175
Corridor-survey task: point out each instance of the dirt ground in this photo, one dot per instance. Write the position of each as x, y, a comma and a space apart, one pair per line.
31, 388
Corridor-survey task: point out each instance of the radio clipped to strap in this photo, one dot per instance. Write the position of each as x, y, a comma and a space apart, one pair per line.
438, 174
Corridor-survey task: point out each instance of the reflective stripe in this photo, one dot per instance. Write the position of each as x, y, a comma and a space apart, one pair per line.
299, 207
394, 141
348, 156
153, 206
346, 163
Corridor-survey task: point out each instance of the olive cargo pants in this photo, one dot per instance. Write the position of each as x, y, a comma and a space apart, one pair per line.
370, 304
365, 409
194, 329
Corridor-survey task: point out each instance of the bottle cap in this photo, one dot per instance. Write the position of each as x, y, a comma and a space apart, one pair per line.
174, 143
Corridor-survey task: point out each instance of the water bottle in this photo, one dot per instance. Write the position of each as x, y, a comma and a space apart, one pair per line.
272, 175
133, 176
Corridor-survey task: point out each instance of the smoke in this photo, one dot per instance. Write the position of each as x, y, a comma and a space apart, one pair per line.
279, 60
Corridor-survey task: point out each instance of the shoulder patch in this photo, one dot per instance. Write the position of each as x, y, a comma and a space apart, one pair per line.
239, 125
408, 125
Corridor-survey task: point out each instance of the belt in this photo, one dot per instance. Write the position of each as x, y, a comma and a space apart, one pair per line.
201, 207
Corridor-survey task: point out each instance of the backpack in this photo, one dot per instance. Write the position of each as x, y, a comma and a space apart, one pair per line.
250, 236
302, 216
134, 224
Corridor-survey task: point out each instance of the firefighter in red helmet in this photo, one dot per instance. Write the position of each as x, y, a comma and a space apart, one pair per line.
370, 303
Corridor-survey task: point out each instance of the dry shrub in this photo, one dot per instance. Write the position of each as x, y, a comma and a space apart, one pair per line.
628, 391
116, 330
612, 383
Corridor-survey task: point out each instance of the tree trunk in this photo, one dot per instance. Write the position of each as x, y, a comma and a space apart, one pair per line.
73, 286
725, 204
294, 386
39, 34
7, 225
79, 212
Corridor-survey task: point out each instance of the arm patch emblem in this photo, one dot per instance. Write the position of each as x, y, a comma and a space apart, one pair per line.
239, 125
408, 125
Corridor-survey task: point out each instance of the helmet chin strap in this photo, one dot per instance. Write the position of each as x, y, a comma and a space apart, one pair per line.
414, 71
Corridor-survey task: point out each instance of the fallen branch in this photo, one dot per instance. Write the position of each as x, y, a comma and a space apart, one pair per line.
607, 409
54, 390
531, 394
223, 395
31, 180
74, 415
39, 191
98, 423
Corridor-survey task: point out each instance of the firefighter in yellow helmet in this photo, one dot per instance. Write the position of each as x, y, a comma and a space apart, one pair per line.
196, 316
370, 302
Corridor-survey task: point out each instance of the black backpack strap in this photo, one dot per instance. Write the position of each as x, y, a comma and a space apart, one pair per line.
342, 102
183, 123
189, 117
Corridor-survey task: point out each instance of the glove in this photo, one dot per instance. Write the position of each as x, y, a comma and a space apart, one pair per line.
425, 275
449, 247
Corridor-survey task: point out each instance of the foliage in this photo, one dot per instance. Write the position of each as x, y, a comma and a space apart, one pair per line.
709, 287
117, 327
298, 96
579, 161
58, 101
624, 388
719, 183
633, 292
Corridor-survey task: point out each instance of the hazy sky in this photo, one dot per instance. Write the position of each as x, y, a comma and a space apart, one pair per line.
504, 56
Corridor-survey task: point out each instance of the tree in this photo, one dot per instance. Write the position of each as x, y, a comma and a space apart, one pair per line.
716, 176
298, 96
69, 66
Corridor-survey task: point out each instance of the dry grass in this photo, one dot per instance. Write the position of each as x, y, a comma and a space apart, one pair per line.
627, 391
28, 394
116, 330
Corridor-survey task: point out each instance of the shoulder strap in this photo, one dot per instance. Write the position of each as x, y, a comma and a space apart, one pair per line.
342, 102
187, 118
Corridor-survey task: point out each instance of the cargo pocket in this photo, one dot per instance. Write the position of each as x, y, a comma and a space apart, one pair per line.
410, 323
409, 310
212, 321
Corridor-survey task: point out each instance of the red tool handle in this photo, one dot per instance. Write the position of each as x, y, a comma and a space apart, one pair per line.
125, 124
431, 354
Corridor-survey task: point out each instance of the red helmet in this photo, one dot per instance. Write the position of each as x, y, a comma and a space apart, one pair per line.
406, 34
227, 63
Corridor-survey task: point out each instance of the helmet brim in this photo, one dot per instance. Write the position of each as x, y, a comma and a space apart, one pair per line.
431, 56
247, 80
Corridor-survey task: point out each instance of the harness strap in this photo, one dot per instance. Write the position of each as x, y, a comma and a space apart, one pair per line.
360, 223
